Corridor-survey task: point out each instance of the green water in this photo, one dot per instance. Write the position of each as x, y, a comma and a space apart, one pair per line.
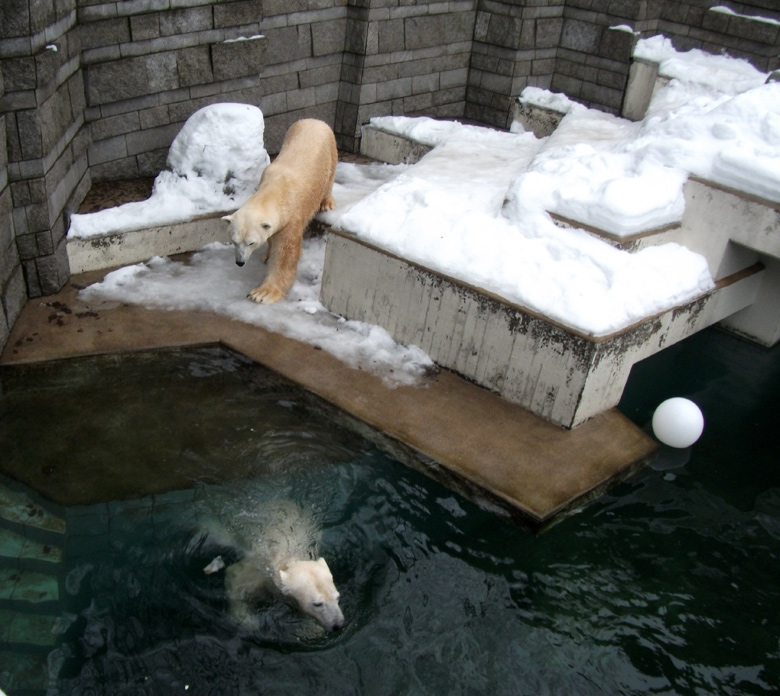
666, 585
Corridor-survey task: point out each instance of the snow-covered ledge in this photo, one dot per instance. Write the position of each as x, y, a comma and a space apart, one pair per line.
556, 372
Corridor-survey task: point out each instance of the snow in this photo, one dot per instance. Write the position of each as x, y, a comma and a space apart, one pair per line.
211, 281
214, 164
478, 207
755, 18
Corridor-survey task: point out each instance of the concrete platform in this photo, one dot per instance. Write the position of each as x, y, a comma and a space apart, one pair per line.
495, 452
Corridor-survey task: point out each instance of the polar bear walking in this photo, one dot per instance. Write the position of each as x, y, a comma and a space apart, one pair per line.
282, 551
292, 189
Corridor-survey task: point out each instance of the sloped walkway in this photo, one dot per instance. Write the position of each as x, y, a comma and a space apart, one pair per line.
493, 451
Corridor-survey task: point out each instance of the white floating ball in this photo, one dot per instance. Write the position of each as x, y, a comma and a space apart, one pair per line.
678, 422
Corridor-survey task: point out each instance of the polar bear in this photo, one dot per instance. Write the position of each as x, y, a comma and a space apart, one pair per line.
282, 553
292, 189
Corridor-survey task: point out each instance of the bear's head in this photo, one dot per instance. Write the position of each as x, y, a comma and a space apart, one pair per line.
310, 584
250, 228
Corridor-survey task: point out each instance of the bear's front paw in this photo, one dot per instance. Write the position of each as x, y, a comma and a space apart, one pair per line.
266, 294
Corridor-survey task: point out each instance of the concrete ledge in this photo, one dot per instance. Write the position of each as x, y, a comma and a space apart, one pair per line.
121, 249
557, 373
389, 147
536, 119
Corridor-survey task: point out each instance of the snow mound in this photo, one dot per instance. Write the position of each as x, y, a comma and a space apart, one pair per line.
214, 166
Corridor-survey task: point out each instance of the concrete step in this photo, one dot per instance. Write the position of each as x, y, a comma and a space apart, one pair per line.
33, 519
124, 248
389, 147
19, 551
24, 632
28, 590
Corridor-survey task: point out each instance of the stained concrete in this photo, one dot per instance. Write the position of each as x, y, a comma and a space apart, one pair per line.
494, 451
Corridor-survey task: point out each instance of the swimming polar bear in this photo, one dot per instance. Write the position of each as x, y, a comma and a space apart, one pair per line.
292, 189
282, 553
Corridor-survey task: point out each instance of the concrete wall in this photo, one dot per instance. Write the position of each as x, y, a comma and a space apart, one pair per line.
95, 90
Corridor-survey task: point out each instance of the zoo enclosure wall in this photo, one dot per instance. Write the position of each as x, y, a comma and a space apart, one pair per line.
96, 90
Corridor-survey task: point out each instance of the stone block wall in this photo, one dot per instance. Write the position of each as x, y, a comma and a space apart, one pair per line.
43, 108
148, 65
515, 45
306, 40
693, 24
12, 290
403, 58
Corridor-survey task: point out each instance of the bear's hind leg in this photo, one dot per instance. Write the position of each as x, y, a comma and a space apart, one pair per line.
328, 203
282, 268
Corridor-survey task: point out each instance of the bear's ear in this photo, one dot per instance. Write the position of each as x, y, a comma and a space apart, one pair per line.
227, 218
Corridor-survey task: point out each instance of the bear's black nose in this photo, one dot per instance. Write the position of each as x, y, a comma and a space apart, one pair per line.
239, 263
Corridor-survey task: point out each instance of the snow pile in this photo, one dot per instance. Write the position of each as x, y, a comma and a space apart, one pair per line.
214, 165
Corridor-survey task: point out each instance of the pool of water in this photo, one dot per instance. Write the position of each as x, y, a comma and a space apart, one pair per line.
666, 585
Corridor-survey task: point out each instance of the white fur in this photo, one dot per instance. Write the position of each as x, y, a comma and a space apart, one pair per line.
283, 554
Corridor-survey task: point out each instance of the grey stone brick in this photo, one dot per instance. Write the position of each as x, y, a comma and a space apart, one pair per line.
194, 66
161, 72
44, 241
107, 32
29, 131
185, 21
47, 65
115, 170
452, 78
581, 36
548, 32
18, 73
117, 81
238, 58
26, 246
144, 27
14, 295
425, 83
37, 216
391, 36
438, 30
394, 89
20, 192
151, 139
274, 104
14, 18
154, 116
152, 163
328, 37
301, 98
116, 125
237, 13
53, 271
107, 150
320, 76
31, 278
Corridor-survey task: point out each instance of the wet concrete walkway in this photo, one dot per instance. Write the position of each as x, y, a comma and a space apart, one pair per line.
491, 450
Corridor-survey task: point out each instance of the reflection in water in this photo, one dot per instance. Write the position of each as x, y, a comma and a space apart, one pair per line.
666, 585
